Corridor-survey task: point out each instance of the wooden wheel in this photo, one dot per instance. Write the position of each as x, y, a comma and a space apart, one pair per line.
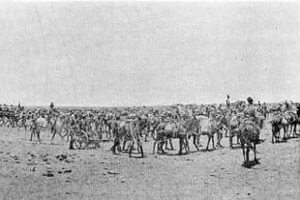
80, 141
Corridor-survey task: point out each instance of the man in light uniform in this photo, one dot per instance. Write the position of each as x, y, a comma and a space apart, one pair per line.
251, 114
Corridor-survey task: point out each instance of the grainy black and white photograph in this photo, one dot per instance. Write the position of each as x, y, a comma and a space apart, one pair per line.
196, 100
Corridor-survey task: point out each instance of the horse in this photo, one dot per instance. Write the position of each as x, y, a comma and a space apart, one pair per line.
166, 131
249, 137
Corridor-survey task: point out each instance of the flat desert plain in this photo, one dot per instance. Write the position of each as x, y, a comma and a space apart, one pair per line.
32, 170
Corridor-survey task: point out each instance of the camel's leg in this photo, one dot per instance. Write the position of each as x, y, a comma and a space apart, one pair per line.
154, 144
71, 146
152, 133
68, 135
61, 136
195, 142
32, 132
247, 154
219, 138
146, 136
209, 138
159, 146
254, 150
187, 143
244, 153
289, 130
166, 143
99, 134
39, 135
171, 144
130, 148
138, 147
53, 135
107, 134
213, 141
230, 138
186, 146
141, 149
226, 132
198, 140
284, 132
294, 130
180, 145
277, 135
116, 143
162, 144
124, 145
238, 139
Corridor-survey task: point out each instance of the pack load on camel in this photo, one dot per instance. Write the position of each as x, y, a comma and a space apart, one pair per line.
9, 114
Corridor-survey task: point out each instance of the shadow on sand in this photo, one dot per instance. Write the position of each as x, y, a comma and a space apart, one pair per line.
207, 150
105, 140
280, 141
238, 146
293, 137
45, 143
261, 141
185, 153
251, 163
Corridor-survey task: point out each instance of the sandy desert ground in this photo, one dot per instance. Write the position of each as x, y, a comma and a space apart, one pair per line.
30, 170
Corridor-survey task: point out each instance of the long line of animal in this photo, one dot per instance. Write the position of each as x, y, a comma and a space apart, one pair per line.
129, 128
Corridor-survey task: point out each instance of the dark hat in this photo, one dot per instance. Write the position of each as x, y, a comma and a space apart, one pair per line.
250, 100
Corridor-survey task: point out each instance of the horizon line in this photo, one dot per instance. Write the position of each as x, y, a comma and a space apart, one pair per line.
158, 105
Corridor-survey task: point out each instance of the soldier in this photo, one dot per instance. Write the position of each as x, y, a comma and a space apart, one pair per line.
250, 110
51, 106
288, 106
73, 128
251, 113
228, 102
264, 109
115, 132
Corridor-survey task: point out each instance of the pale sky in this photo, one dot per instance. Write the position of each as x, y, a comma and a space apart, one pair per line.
148, 53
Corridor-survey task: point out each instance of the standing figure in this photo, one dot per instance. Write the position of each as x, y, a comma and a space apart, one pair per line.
228, 102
